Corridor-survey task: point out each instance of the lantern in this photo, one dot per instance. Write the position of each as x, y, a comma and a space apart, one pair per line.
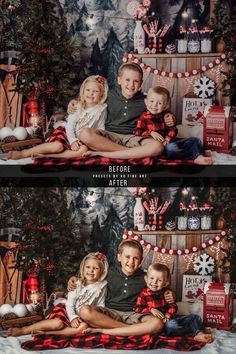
31, 289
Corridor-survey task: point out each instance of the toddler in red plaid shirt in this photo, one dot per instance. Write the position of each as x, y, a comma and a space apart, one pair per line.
152, 300
152, 120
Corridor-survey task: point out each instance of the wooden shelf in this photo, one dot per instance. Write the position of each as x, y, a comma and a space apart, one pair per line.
19, 144
176, 232
178, 55
20, 322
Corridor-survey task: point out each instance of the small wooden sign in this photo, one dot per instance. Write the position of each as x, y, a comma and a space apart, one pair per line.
193, 286
191, 108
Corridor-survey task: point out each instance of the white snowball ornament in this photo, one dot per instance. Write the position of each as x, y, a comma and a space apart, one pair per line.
5, 309
30, 308
30, 130
5, 132
20, 133
20, 310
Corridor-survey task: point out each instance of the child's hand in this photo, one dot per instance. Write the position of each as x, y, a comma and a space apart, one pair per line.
75, 323
169, 296
157, 313
166, 141
75, 146
71, 286
72, 106
157, 136
169, 119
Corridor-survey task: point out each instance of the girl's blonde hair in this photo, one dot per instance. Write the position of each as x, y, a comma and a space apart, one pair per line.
102, 260
102, 84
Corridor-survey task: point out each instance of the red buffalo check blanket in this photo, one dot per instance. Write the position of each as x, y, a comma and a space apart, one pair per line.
48, 164
88, 341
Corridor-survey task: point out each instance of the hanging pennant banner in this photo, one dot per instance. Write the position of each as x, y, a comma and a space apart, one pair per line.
171, 74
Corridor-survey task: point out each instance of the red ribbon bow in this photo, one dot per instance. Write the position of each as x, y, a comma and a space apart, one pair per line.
101, 256
101, 79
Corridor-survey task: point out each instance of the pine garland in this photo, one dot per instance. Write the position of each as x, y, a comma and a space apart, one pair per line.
224, 25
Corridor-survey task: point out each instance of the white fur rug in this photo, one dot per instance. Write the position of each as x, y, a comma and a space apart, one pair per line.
218, 159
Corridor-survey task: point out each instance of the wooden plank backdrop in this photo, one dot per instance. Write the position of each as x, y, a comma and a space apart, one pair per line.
178, 63
178, 240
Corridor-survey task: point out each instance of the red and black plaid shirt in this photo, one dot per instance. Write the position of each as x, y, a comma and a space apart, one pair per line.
148, 300
149, 122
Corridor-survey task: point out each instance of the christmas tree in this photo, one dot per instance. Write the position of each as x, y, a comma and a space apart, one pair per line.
48, 64
96, 59
224, 204
112, 57
49, 242
224, 24
9, 38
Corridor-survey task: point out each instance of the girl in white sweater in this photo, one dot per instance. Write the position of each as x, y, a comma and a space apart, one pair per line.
90, 290
91, 113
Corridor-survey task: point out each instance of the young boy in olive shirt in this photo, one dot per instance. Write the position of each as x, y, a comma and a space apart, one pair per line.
124, 285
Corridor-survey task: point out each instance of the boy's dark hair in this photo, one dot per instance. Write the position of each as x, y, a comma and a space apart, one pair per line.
161, 91
130, 66
130, 243
160, 268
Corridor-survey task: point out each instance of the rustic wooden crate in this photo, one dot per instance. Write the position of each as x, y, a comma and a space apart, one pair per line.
20, 321
20, 144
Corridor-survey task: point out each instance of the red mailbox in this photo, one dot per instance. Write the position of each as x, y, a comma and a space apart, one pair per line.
218, 305
218, 128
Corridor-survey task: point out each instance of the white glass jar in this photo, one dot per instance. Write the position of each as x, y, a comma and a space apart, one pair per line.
181, 45
139, 38
139, 215
206, 45
206, 222
182, 222
194, 223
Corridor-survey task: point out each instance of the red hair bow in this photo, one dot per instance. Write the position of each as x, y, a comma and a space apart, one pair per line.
101, 256
101, 79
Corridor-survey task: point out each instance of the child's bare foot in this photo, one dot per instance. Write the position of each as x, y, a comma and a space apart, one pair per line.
37, 333
203, 337
92, 330
208, 330
203, 160
15, 332
83, 326
208, 153
90, 153
34, 156
15, 155
83, 150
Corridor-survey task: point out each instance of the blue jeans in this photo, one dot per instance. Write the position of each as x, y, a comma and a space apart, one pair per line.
188, 325
184, 149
